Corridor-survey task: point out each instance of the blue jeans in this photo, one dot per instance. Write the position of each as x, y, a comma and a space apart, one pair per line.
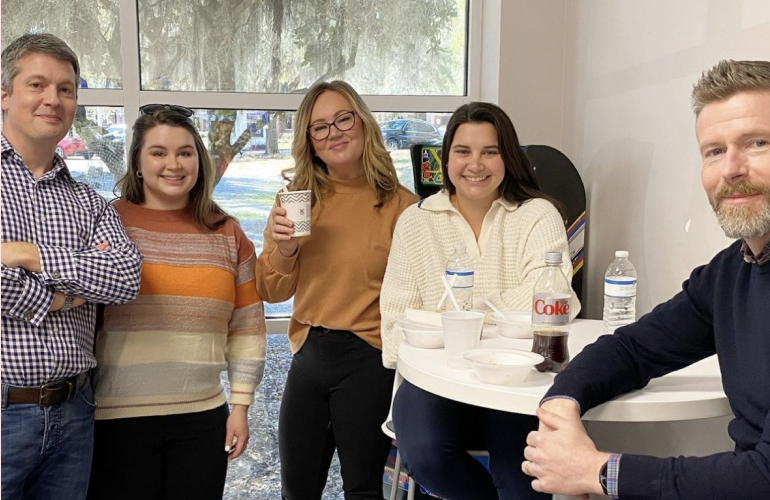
46, 452
434, 433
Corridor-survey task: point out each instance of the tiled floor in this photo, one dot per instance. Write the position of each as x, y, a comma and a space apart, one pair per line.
256, 475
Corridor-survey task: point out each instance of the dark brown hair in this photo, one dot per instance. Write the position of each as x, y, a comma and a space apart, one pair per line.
204, 210
519, 183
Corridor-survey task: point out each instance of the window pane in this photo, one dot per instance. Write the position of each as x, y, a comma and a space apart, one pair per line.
94, 148
400, 47
91, 28
250, 150
426, 128
259, 143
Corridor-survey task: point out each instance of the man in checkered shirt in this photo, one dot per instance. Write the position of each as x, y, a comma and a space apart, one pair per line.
63, 251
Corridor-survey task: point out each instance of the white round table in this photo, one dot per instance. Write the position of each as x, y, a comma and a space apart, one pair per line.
692, 393
668, 417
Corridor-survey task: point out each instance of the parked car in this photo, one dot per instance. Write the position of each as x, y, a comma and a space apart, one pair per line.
73, 145
399, 134
116, 133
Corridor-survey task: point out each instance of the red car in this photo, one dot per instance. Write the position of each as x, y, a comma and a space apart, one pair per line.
73, 145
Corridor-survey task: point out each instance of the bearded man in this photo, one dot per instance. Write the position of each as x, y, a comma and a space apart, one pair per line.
723, 309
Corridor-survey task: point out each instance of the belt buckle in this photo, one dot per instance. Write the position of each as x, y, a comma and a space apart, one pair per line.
46, 389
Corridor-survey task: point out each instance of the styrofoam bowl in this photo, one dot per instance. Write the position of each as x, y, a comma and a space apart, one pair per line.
421, 336
502, 366
412, 325
516, 325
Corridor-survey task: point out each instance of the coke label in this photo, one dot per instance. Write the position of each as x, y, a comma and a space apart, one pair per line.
550, 309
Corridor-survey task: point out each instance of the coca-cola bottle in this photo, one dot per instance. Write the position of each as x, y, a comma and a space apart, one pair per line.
550, 315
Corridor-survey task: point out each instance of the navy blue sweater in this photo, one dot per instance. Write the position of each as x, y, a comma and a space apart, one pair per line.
724, 308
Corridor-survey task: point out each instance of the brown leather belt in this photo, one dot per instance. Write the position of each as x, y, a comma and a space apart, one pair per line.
50, 394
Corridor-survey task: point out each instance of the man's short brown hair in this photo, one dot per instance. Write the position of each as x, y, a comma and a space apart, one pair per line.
36, 43
728, 78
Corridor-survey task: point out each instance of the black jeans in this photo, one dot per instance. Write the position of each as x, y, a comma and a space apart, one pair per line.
160, 458
337, 395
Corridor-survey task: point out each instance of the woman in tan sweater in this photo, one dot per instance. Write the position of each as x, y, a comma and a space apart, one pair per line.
337, 392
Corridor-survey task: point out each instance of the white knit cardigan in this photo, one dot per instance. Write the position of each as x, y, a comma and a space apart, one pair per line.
509, 257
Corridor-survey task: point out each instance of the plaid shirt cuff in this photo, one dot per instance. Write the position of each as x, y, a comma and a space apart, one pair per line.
58, 265
613, 472
33, 303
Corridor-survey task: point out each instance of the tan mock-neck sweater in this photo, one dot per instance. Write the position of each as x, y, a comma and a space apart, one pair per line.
336, 274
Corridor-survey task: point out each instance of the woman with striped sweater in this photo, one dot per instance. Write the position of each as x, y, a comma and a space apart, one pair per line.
163, 426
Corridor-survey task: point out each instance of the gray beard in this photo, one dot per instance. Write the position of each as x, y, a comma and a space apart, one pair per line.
744, 222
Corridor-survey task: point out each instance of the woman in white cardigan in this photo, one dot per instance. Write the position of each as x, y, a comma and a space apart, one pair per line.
491, 202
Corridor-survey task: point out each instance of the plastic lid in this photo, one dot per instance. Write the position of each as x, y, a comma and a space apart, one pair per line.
460, 247
621, 254
553, 257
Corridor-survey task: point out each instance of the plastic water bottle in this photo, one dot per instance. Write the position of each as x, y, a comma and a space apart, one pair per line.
619, 293
551, 315
459, 273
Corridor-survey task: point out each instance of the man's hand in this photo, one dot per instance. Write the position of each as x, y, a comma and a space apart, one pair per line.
561, 457
21, 254
238, 428
563, 407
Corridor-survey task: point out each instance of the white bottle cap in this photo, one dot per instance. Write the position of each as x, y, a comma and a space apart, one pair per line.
460, 247
621, 254
553, 257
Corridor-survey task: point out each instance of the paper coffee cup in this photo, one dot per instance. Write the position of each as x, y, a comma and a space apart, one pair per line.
297, 205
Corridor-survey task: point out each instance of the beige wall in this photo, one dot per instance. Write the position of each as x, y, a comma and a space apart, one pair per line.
608, 82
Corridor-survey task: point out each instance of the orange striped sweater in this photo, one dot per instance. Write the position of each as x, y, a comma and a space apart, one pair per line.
197, 314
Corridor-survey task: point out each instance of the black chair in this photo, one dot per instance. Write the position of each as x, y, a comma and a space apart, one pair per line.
558, 178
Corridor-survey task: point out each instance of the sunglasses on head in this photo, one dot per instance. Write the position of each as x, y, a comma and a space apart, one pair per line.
149, 109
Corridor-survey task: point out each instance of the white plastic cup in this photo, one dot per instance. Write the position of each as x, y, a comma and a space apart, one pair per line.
297, 205
462, 332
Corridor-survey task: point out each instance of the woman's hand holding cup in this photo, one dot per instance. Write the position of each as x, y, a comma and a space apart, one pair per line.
282, 230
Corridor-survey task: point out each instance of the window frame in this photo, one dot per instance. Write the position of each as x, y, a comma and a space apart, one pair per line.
131, 97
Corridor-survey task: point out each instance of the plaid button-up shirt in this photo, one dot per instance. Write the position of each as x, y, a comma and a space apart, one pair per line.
66, 220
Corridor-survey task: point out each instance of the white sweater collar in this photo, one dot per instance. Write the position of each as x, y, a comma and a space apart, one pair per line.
440, 202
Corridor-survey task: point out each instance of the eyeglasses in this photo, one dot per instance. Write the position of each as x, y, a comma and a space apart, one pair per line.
149, 109
344, 122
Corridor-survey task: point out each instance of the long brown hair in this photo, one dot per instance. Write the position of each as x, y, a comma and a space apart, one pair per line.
519, 182
202, 206
310, 172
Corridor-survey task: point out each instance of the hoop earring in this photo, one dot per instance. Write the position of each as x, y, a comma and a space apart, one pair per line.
139, 174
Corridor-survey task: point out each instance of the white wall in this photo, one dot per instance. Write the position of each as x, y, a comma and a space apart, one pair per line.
622, 83
531, 68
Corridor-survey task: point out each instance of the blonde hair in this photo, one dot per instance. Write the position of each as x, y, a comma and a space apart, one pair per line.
728, 78
202, 206
310, 172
